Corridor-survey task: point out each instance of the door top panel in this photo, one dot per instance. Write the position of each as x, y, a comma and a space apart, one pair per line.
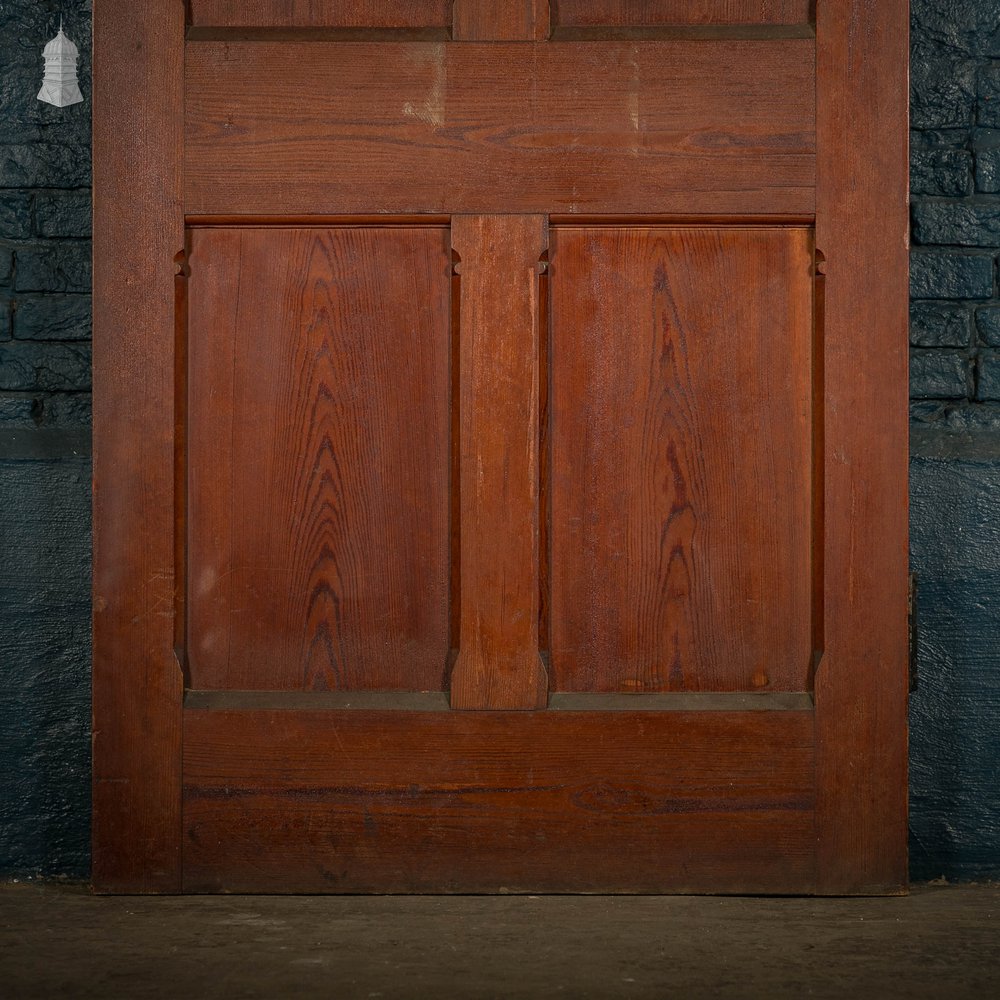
707, 128
438, 13
649, 13
321, 13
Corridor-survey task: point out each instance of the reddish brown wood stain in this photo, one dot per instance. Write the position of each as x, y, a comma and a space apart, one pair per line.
861, 684
681, 457
485, 801
137, 680
498, 663
321, 13
597, 127
621, 472
669, 12
319, 452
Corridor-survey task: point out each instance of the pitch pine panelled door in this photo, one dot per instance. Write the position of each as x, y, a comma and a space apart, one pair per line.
500, 446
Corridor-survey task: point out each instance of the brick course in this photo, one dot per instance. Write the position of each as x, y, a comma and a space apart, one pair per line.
955, 197
45, 268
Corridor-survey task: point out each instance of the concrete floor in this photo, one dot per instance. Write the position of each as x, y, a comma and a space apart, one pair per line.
942, 941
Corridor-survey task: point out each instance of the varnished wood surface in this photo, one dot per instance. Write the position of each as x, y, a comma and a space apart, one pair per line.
484, 802
137, 681
659, 127
321, 13
499, 331
681, 459
668, 12
319, 456
611, 121
487, 20
861, 229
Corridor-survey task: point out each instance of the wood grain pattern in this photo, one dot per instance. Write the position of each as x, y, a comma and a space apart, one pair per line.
861, 228
483, 802
321, 13
137, 683
319, 456
487, 20
498, 664
626, 13
682, 459
367, 489
654, 127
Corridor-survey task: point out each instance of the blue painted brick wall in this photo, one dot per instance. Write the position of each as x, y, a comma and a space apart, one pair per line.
44, 444
45, 332
955, 466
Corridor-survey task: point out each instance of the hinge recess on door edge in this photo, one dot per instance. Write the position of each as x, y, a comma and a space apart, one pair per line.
912, 625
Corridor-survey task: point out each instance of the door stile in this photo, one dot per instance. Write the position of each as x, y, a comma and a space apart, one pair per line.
861, 226
499, 665
138, 232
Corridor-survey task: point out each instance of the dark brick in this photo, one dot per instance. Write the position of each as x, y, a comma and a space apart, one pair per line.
988, 324
985, 138
66, 409
943, 172
6, 318
46, 367
63, 213
962, 418
988, 171
53, 317
6, 264
43, 165
54, 268
938, 374
17, 410
15, 215
942, 89
969, 26
957, 223
989, 375
937, 325
989, 96
929, 140
942, 275
926, 411
29, 410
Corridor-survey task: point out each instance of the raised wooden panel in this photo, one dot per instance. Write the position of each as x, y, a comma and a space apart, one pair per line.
340, 128
319, 453
321, 13
641, 13
681, 492
314, 801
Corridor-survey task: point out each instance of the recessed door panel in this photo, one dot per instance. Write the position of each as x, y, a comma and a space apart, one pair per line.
641, 13
319, 449
681, 459
321, 13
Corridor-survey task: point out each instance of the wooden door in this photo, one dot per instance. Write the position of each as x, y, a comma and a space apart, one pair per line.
500, 446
